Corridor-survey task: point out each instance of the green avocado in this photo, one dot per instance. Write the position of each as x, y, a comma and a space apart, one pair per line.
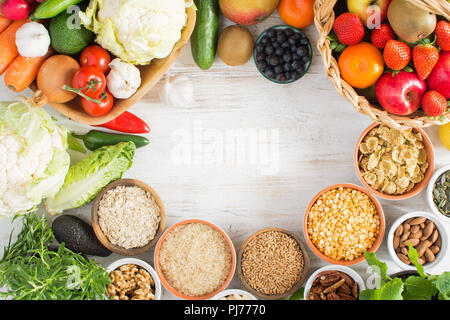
78, 236
67, 35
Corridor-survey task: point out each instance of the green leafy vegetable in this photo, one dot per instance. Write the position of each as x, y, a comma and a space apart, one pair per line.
422, 287
74, 144
88, 177
30, 270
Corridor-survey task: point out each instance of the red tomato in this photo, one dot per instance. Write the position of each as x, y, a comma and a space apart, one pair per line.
95, 56
90, 80
98, 109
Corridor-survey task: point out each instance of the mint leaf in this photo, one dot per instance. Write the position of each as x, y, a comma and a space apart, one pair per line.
377, 266
414, 257
298, 295
442, 283
418, 288
392, 290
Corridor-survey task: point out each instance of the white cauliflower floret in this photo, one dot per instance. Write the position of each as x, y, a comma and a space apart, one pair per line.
33, 158
136, 31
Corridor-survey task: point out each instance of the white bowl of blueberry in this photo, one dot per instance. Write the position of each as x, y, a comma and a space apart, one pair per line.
282, 54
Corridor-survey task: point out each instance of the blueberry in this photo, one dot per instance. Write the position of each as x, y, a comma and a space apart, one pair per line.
287, 57
287, 67
293, 49
296, 64
278, 69
274, 60
259, 48
304, 41
295, 56
301, 51
288, 32
297, 36
276, 45
288, 75
295, 75
269, 50
279, 52
300, 69
306, 59
269, 73
271, 33
260, 57
284, 45
292, 40
262, 65
265, 40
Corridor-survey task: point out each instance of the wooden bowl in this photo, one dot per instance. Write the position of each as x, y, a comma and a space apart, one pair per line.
102, 237
375, 245
150, 75
172, 289
417, 188
295, 287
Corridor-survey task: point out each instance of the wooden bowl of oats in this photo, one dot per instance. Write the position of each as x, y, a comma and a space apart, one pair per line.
394, 164
128, 217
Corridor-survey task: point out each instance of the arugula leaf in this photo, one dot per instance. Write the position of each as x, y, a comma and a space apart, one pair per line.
377, 266
418, 288
414, 257
298, 295
392, 290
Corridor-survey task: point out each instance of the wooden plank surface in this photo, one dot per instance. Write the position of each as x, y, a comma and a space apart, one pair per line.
305, 137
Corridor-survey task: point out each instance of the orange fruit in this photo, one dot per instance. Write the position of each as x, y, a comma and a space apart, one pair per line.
297, 13
361, 65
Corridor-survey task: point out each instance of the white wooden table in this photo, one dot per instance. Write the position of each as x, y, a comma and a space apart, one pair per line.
305, 137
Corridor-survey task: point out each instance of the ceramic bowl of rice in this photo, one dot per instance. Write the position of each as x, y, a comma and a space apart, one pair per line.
195, 259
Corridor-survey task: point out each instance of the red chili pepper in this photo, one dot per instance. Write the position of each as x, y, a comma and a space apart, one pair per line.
127, 122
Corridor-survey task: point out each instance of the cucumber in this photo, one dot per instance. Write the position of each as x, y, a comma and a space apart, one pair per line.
204, 36
51, 8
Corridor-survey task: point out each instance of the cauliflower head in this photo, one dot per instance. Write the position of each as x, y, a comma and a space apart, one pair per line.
136, 31
33, 157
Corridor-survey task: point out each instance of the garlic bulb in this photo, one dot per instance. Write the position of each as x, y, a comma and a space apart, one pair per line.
32, 40
123, 80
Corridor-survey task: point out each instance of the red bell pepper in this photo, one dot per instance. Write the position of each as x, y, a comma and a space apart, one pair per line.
128, 123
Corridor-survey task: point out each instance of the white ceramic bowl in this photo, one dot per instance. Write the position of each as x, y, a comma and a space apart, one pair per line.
442, 232
347, 270
233, 291
430, 189
141, 264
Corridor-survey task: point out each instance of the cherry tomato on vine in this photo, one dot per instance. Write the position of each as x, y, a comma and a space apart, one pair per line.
95, 56
98, 109
90, 80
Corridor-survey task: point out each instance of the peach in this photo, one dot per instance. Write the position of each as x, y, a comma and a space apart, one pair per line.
248, 12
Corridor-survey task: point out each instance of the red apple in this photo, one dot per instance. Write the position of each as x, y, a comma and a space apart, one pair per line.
248, 12
401, 93
439, 79
364, 9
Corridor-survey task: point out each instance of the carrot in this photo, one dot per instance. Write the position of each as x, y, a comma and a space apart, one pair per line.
4, 23
8, 51
22, 71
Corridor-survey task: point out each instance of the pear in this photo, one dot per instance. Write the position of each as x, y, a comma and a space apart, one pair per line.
410, 22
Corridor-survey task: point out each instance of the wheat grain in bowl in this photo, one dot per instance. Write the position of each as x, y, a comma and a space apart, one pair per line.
195, 259
129, 216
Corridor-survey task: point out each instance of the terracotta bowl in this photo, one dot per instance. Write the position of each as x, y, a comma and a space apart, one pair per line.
417, 188
375, 245
150, 75
102, 237
173, 290
294, 288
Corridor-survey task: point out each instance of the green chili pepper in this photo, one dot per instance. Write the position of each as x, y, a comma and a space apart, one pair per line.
95, 139
51, 8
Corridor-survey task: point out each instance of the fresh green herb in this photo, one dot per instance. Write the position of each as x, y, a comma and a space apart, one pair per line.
298, 295
30, 270
422, 287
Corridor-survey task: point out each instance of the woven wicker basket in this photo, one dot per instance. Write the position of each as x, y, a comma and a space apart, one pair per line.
324, 19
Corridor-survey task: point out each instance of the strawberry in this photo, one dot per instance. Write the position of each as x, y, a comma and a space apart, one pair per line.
425, 57
348, 28
434, 104
396, 54
381, 35
442, 33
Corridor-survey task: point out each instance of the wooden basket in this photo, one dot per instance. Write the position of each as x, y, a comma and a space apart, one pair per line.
150, 75
324, 16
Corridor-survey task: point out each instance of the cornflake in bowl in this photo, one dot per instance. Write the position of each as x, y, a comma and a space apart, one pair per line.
394, 164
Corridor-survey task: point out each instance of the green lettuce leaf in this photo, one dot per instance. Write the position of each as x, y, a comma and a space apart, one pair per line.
88, 177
